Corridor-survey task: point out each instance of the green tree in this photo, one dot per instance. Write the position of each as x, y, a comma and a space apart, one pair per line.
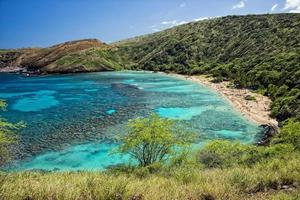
153, 139
6, 135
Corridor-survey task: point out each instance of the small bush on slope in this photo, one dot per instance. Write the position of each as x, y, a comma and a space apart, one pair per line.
226, 154
290, 134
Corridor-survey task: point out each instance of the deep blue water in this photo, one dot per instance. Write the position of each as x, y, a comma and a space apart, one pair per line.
72, 119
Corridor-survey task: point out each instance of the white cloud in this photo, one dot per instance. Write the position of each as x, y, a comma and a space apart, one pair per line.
274, 7
200, 19
204, 18
182, 5
181, 22
154, 28
292, 6
239, 5
173, 23
176, 22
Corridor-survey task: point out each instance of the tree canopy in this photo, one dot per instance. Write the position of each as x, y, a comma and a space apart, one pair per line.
152, 139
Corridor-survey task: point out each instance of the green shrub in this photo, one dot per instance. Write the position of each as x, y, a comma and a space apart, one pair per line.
290, 134
250, 98
217, 79
226, 154
221, 153
231, 85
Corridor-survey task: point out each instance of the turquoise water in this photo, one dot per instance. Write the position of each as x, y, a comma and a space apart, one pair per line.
72, 119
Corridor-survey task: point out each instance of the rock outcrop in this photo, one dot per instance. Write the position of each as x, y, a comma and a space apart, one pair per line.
269, 131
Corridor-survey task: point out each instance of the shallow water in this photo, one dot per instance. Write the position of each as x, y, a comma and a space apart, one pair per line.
72, 119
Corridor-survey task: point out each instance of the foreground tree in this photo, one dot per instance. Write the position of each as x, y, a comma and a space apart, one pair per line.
6, 135
153, 139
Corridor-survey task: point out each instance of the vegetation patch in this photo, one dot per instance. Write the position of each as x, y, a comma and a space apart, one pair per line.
250, 98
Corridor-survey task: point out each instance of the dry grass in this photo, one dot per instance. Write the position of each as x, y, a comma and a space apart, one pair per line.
277, 179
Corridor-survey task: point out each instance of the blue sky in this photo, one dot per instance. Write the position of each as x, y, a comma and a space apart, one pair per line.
41, 23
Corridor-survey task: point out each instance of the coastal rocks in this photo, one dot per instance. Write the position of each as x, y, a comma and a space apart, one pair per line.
269, 131
7, 60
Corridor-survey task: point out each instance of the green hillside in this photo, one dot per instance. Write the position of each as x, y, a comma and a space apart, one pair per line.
261, 52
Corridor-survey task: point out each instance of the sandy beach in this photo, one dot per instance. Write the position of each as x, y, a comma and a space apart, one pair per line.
257, 110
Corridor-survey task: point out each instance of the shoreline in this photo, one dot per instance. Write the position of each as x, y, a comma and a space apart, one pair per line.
257, 110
